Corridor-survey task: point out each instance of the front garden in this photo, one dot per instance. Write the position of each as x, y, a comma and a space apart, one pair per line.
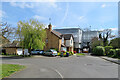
8, 69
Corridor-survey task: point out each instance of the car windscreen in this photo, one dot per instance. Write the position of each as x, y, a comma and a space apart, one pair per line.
53, 50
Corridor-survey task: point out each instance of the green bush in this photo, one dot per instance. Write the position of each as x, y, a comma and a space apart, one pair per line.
98, 51
111, 53
59, 53
2, 53
107, 49
117, 53
71, 53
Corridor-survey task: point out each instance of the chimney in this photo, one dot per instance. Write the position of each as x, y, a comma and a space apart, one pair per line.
50, 27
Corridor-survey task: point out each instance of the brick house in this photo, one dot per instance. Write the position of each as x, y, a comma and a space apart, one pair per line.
14, 48
56, 40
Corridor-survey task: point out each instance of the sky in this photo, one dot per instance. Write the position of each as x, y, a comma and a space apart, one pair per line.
98, 15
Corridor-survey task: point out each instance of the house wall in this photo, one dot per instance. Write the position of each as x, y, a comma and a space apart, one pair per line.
11, 50
68, 43
53, 41
77, 34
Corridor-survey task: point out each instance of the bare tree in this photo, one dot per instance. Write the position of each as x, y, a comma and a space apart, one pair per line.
7, 32
105, 35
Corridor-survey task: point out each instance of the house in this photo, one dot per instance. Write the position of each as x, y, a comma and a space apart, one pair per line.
56, 40
77, 35
14, 48
81, 38
68, 42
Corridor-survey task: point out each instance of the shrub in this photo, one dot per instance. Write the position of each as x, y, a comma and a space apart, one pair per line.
2, 53
107, 49
71, 53
64, 54
117, 53
98, 51
111, 53
59, 53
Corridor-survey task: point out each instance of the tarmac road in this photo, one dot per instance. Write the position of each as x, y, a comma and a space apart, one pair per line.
65, 67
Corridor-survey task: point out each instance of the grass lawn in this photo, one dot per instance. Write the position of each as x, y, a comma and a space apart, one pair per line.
79, 54
8, 69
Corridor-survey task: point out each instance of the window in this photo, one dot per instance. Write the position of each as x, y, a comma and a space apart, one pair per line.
62, 40
71, 41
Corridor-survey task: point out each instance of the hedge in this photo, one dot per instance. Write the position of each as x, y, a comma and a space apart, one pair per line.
98, 51
117, 53
111, 53
114, 53
107, 49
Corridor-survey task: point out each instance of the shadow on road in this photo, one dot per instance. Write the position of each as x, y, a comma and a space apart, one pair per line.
12, 57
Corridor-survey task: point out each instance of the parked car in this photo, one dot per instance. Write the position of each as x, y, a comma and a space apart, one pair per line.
50, 52
85, 50
37, 52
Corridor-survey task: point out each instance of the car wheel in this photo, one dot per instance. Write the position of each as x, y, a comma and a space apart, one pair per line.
38, 53
51, 55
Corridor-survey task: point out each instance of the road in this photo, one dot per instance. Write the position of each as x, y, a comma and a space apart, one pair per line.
65, 67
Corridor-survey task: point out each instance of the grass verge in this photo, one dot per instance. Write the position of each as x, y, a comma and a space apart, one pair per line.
8, 69
80, 54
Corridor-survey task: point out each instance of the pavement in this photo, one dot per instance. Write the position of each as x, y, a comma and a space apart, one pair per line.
117, 61
64, 67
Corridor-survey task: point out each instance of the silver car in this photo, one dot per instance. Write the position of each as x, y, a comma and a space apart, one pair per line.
37, 52
50, 52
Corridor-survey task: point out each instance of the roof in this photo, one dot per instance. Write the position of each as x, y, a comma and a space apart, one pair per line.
15, 44
67, 36
68, 29
56, 33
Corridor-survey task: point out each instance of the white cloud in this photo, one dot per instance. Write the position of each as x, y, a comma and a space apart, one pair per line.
53, 4
103, 5
114, 29
81, 17
22, 4
2, 14
50, 3
39, 17
66, 13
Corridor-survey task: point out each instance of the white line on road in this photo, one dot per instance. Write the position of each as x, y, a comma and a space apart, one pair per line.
58, 73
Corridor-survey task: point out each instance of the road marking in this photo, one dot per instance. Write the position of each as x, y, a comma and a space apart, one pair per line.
58, 73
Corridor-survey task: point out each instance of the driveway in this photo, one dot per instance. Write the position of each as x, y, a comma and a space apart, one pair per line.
65, 67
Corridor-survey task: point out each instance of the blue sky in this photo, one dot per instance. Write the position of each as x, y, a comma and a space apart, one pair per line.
98, 15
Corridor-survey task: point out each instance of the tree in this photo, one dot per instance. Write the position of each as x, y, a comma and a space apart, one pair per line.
31, 34
8, 32
104, 35
96, 42
115, 43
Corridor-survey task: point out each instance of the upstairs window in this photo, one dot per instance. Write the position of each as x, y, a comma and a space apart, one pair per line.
71, 41
62, 40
